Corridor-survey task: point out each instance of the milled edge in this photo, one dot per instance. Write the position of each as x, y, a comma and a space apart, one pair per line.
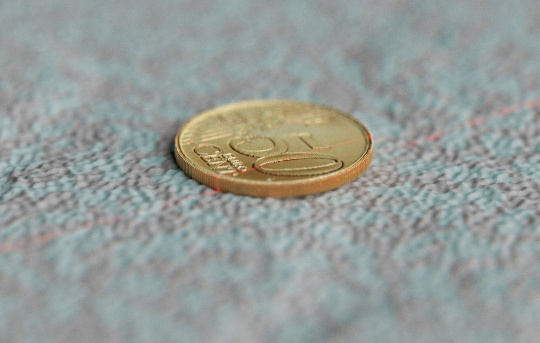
313, 185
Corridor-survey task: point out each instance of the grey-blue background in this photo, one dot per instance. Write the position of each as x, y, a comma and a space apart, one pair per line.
103, 239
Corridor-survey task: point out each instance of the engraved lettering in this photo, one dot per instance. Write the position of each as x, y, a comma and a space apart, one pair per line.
275, 159
205, 149
223, 163
298, 164
235, 162
213, 159
311, 142
224, 169
258, 146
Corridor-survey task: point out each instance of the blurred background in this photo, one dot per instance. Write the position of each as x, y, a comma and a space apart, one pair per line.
104, 239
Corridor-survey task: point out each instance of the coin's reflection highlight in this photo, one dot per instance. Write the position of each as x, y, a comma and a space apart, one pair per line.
273, 148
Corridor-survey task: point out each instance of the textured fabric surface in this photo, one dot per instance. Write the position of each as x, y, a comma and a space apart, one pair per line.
104, 239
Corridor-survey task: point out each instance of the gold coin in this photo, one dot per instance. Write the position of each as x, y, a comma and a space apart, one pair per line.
273, 148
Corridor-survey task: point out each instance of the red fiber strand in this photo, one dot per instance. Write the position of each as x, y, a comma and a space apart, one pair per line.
45, 238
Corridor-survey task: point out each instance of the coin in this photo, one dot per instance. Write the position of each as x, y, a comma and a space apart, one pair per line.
273, 148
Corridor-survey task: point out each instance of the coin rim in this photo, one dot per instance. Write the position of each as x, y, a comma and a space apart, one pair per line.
228, 184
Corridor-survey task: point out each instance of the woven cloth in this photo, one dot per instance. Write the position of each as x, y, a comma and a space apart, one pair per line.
104, 239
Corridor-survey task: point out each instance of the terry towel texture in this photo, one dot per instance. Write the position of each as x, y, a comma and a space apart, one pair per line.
104, 239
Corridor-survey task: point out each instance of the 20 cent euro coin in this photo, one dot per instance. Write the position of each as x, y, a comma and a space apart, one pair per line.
273, 148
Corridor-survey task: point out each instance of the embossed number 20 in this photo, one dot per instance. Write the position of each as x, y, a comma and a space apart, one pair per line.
275, 159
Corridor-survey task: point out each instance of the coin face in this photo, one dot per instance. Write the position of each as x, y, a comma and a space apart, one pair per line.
273, 148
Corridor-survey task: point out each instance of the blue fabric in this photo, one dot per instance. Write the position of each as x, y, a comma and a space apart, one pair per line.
104, 239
